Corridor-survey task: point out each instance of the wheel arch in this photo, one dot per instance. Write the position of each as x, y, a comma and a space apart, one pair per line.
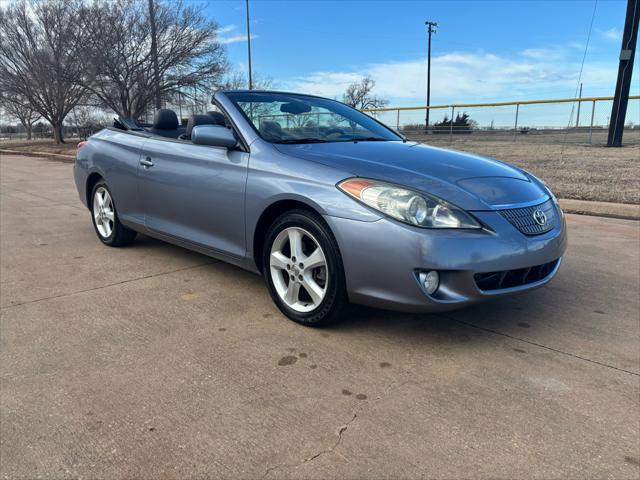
268, 216
92, 179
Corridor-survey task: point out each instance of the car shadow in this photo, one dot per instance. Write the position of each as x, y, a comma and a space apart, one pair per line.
510, 316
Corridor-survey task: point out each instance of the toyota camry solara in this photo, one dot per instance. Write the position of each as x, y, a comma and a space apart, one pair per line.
328, 204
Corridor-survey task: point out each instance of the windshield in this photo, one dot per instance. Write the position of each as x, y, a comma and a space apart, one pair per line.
291, 118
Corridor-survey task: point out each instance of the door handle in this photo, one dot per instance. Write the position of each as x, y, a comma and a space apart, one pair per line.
146, 162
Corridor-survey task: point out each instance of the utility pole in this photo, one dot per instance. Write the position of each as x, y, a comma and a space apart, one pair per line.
430, 29
579, 103
625, 69
249, 45
154, 56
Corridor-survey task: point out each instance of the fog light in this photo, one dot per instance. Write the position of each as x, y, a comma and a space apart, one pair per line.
430, 281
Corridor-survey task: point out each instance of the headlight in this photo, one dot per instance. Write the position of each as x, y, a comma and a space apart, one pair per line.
406, 205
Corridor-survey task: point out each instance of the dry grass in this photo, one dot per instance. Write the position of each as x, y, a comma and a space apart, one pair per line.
577, 170
41, 145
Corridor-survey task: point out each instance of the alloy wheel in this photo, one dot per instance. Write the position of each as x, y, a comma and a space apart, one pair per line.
298, 269
103, 212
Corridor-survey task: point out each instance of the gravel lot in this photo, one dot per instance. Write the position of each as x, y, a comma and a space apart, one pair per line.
151, 361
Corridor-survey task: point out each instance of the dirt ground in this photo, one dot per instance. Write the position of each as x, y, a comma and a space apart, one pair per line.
41, 145
573, 168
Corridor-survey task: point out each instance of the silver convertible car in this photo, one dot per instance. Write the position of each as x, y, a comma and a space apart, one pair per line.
327, 203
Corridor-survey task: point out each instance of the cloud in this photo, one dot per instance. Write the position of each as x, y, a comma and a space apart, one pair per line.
466, 77
227, 29
236, 39
612, 34
543, 53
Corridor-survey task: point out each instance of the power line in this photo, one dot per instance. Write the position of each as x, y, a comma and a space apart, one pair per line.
579, 83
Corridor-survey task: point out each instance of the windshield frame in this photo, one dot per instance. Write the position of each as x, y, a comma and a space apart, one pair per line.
230, 94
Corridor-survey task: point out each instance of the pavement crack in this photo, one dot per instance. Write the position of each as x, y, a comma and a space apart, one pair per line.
92, 289
311, 458
536, 344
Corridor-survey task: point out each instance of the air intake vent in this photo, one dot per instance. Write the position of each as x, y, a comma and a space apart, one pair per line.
514, 278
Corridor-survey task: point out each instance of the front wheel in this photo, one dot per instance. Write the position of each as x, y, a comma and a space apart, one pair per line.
303, 269
105, 218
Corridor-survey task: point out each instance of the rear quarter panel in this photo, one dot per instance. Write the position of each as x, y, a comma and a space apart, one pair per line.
114, 155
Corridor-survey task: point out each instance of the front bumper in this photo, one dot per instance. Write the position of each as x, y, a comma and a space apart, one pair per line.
382, 258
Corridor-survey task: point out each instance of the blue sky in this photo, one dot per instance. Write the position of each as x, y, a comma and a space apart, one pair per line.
483, 50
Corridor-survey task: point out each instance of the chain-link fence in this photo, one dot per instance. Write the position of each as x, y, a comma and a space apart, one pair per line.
579, 121
582, 121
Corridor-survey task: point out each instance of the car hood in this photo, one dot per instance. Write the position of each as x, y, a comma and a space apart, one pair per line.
469, 181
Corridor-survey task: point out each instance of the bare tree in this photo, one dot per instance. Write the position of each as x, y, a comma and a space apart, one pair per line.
21, 109
38, 45
358, 95
119, 65
87, 119
237, 80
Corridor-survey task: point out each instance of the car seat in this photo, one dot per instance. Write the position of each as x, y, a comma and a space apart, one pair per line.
165, 124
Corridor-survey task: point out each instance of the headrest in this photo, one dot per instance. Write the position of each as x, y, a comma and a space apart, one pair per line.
165, 119
195, 120
218, 118
270, 129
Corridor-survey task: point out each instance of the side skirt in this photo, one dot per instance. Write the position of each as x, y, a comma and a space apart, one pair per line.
244, 263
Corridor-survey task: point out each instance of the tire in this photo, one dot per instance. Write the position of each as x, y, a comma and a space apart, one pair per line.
314, 294
105, 220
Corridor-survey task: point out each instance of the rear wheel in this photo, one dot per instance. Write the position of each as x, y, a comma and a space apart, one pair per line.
303, 269
105, 218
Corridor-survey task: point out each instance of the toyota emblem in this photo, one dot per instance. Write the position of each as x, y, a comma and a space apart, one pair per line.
540, 217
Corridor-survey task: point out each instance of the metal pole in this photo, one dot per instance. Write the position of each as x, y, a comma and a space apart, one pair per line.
593, 112
154, 56
625, 70
426, 121
453, 109
398, 121
249, 46
579, 103
515, 126
430, 30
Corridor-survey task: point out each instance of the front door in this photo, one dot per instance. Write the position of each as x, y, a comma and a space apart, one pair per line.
195, 193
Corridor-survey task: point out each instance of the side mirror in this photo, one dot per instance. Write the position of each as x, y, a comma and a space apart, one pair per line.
214, 136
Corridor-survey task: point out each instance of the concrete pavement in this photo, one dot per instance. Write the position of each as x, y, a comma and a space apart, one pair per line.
152, 361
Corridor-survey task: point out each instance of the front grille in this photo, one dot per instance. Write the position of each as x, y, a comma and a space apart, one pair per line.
514, 278
524, 218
